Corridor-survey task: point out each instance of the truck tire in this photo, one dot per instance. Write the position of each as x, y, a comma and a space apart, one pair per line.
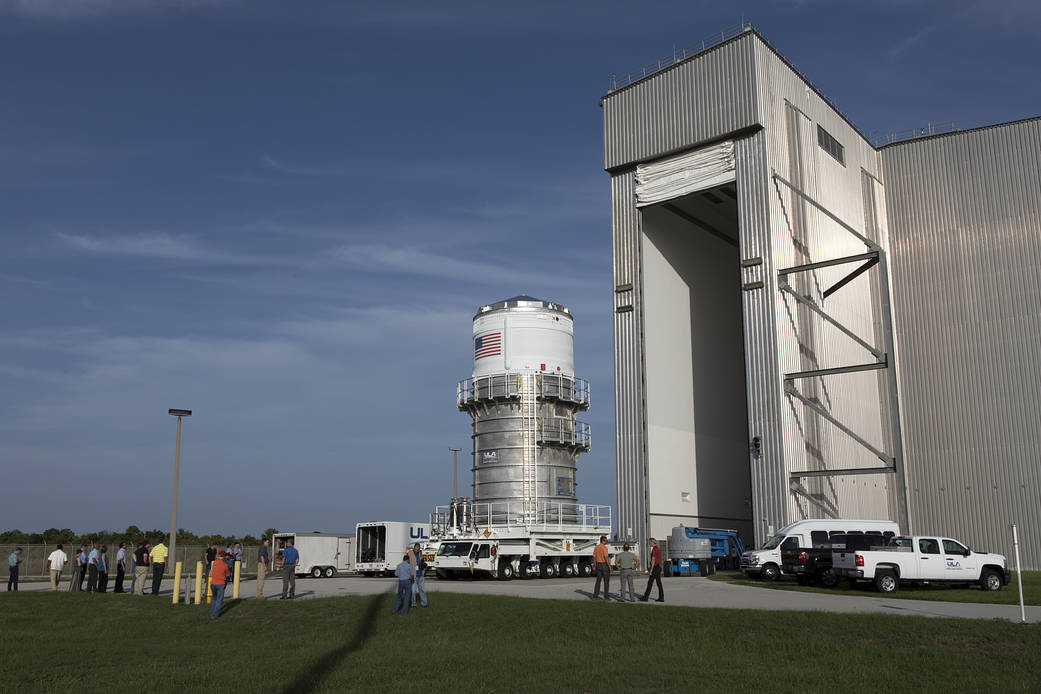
886, 581
827, 578
316, 572
568, 570
547, 570
329, 572
771, 572
506, 572
990, 580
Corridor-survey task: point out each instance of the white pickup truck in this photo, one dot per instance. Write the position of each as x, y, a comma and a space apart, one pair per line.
921, 559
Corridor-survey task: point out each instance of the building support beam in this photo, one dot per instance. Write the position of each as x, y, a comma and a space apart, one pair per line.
816, 407
850, 277
787, 288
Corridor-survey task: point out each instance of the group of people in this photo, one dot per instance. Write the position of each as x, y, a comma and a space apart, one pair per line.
411, 584
627, 562
94, 565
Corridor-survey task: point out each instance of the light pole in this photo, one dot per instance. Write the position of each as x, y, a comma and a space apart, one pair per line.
455, 471
176, 475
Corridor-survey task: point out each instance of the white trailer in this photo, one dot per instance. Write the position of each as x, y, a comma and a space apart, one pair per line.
321, 554
499, 540
380, 545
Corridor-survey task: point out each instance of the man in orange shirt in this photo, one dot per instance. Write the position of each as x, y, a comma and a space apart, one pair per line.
218, 580
603, 569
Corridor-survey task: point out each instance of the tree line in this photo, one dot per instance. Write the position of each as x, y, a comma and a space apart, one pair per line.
132, 535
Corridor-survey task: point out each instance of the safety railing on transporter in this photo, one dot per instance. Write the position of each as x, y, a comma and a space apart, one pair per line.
467, 515
550, 387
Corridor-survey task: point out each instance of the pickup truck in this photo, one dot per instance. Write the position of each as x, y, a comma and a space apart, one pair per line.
924, 559
813, 564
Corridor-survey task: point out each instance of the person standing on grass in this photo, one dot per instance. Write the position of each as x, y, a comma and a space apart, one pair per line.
121, 567
92, 567
404, 574
208, 558
418, 583
603, 569
626, 563
218, 581
55, 563
79, 569
654, 573
290, 558
262, 563
13, 560
142, 558
159, 555
103, 569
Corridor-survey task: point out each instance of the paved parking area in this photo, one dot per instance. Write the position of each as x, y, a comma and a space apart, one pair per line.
689, 591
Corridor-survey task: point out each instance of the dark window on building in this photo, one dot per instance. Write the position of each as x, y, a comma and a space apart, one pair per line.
830, 145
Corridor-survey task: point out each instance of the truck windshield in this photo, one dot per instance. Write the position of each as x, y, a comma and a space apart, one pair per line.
774, 542
454, 549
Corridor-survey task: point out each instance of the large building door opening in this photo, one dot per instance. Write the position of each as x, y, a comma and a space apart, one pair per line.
694, 363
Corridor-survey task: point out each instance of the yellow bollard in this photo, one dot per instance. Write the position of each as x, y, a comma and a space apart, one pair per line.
235, 590
177, 583
198, 583
209, 589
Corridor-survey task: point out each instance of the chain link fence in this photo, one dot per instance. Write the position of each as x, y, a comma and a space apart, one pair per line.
34, 558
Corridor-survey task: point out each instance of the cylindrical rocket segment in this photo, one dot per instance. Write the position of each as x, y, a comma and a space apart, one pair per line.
523, 399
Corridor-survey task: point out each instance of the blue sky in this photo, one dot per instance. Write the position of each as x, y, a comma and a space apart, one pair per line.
284, 215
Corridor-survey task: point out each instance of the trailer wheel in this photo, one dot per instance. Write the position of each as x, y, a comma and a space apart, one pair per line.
568, 570
990, 580
330, 572
886, 581
316, 572
585, 569
506, 572
529, 571
547, 570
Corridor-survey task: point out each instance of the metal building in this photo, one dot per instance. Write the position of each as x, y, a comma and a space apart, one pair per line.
810, 326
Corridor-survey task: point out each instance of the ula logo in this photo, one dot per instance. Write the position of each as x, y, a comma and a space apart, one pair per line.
418, 533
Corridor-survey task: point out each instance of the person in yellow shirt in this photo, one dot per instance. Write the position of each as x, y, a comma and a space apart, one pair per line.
158, 554
603, 569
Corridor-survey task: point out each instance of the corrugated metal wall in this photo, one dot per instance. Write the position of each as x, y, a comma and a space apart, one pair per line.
630, 453
965, 231
790, 112
695, 101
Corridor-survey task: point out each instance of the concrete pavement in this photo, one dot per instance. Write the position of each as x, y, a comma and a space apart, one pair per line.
687, 591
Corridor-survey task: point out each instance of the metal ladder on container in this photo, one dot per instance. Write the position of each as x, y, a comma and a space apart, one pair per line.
529, 417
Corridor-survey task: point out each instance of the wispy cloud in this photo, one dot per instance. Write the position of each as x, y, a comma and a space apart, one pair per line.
910, 43
76, 9
295, 170
159, 245
416, 260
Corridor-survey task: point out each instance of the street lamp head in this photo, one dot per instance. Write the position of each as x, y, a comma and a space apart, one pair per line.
181, 413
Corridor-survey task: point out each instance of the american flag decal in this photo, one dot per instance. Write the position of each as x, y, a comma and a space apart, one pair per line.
488, 345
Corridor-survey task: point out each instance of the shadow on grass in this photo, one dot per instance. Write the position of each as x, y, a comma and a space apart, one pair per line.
309, 679
229, 605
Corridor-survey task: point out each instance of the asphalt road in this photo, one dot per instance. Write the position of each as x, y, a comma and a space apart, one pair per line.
688, 591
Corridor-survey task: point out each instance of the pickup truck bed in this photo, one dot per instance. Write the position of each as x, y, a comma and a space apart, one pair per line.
814, 564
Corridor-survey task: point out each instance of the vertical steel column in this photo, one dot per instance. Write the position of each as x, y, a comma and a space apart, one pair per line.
903, 503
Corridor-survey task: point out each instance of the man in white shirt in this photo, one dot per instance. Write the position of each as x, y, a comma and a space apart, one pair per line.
55, 563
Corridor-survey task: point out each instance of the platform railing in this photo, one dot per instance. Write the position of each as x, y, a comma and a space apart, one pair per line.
509, 386
505, 515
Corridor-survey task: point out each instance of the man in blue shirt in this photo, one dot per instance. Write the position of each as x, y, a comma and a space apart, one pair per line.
13, 561
290, 558
404, 574
92, 568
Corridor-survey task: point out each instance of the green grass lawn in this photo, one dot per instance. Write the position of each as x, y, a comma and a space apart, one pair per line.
81, 642
1009, 595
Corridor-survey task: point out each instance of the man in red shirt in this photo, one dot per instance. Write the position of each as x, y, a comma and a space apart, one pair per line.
218, 581
603, 569
654, 571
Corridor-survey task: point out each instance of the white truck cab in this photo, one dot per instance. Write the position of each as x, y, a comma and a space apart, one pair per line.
766, 561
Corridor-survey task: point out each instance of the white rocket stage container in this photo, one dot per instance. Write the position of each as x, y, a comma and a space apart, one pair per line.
523, 399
